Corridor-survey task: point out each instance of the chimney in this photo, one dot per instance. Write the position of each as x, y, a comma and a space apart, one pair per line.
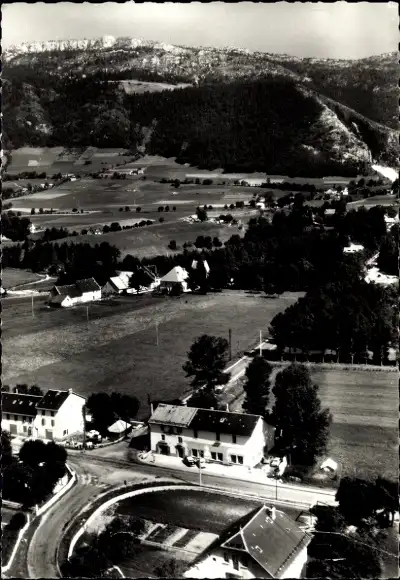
151, 408
70, 391
227, 408
273, 513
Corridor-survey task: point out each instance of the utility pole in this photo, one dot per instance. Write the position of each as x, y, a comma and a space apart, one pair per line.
200, 482
157, 342
260, 342
33, 313
276, 488
230, 344
87, 313
84, 427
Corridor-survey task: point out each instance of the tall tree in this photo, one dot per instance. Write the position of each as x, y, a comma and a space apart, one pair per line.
257, 387
207, 358
303, 427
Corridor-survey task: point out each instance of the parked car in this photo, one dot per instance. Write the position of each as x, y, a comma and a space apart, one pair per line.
201, 463
189, 460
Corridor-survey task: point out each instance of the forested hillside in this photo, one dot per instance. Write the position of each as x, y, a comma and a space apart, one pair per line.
245, 112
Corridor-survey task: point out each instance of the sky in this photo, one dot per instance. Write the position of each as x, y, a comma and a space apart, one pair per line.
323, 30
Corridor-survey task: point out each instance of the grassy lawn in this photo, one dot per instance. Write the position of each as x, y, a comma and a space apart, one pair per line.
364, 405
11, 277
117, 349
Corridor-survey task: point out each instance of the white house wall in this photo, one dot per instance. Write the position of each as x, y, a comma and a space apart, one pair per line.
17, 424
297, 567
66, 421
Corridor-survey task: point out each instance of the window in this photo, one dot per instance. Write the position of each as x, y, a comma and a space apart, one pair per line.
235, 562
15, 417
201, 453
213, 455
195, 434
52, 414
220, 456
52, 422
233, 458
226, 557
8, 416
43, 422
180, 439
218, 436
162, 437
179, 429
162, 428
240, 459
65, 432
25, 428
194, 452
233, 438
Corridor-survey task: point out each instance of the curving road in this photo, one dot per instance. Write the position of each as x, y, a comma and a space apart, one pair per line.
96, 473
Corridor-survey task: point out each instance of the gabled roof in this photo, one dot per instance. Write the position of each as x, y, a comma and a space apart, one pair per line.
87, 285
119, 426
270, 537
177, 274
119, 283
173, 415
68, 290
59, 299
53, 400
19, 404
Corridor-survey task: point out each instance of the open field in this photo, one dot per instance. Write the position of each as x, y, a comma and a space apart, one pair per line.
11, 277
364, 405
117, 348
375, 200
139, 87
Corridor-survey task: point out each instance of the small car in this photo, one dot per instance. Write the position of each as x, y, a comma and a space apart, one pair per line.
201, 463
189, 460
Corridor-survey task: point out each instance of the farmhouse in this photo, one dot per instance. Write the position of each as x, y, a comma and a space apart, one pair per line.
52, 416
176, 276
82, 291
220, 436
264, 544
117, 284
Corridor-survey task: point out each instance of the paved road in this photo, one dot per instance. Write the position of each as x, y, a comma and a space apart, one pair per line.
96, 473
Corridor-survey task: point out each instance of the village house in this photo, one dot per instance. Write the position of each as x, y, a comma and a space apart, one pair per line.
266, 543
117, 284
216, 436
353, 248
82, 291
176, 276
55, 415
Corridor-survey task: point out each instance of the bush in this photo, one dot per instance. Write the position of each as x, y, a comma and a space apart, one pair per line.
172, 245
167, 208
74, 210
138, 209
174, 208
161, 219
84, 232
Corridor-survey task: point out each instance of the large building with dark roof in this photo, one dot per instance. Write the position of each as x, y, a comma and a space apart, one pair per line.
266, 543
54, 416
216, 436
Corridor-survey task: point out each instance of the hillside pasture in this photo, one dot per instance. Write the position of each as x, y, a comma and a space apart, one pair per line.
117, 348
11, 277
140, 87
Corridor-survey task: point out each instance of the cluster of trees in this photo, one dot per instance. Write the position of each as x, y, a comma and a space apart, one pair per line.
338, 553
348, 316
119, 540
78, 260
14, 227
388, 259
107, 408
116, 226
23, 389
165, 208
31, 479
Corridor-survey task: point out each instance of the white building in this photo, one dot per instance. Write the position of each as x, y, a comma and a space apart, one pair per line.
220, 436
82, 291
374, 275
177, 275
117, 284
55, 415
266, 543
391, 221
353, 248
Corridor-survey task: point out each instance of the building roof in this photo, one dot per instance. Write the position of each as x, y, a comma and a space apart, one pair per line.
205, 419
70, 290
177, 274
119, 282
87, 285
53, 400
59, 299
19, 404
119, 427
180, 416
270, 537
224, 422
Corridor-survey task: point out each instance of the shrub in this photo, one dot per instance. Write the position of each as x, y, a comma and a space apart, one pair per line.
174, 208
161, 219
84, 232
167, 208
172, 245
138, 209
